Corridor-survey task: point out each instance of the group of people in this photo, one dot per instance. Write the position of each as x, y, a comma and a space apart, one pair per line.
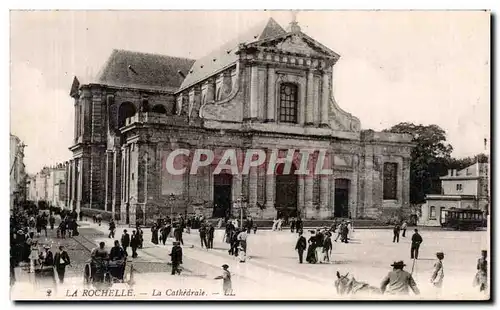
237, 240
319, 246
26, 225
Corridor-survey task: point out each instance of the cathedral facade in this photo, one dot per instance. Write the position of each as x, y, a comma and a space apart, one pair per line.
269, 90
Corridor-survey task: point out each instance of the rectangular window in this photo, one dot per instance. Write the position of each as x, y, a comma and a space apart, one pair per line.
390, 181
288, 103
432, 213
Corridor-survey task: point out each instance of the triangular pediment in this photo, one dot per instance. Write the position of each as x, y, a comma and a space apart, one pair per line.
297, 43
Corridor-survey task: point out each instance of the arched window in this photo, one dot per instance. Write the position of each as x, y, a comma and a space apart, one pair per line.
288, 103
125, 111
432, 213
159, 109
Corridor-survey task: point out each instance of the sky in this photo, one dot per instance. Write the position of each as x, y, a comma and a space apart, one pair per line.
399, 66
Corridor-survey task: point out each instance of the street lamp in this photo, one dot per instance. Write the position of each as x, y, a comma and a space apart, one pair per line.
241, 202
171, 198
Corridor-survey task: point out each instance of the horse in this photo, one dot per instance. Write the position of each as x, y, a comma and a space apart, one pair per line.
349, 286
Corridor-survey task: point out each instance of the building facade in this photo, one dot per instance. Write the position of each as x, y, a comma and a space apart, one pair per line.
17, 171
269, 90
50, 186
463, 189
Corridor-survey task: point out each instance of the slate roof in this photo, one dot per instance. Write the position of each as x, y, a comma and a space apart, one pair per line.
143, 70
225, 55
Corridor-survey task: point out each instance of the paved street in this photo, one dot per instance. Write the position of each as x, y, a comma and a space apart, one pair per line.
272, 270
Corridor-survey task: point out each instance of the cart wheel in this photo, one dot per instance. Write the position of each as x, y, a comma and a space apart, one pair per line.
86, 274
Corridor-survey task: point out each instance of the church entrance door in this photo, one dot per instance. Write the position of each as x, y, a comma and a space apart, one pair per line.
223, 184
342, 198
286, 192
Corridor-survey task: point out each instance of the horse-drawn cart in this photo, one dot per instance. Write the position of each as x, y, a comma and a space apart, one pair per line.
108, 272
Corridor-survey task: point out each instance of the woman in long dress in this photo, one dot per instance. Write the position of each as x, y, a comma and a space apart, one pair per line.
154, 236
311, 250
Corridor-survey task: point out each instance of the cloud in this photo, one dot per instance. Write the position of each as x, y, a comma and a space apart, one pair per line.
40, 116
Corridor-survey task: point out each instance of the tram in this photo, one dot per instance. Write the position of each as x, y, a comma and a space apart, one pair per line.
463, 219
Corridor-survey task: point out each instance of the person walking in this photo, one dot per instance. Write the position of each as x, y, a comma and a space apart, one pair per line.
203, 236
112, 229
404, 226
292, 225
396, 231
438, 274
154, 234
327, 246
242, 242
211, 236
227, 287
416, 240
481, 277
134, 243
176, 258
300, 247
61, 260
52, 221
345, 232
399, 281
125, 240
178, 234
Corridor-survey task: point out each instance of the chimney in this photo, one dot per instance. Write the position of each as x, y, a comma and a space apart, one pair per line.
450, 172
181, 74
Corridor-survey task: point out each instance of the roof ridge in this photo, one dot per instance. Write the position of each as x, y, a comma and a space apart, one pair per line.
150, 53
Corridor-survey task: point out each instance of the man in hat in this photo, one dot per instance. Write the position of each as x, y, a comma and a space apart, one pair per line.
399, 281
47, 258
226, 280
438, 274
481, 278
416, 240
327, 246
61, 260
301, 247
176, 257
396, 231
125, 240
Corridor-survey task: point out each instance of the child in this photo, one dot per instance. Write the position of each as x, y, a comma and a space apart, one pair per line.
226, 283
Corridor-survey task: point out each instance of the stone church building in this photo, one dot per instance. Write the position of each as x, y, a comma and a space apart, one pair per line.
269, 89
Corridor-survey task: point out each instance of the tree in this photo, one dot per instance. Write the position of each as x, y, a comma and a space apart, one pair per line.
462, 163
429, 158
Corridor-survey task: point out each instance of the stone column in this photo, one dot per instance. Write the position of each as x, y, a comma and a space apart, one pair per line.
109, 181
325, 98
252, 187
406, 183
271, 93
353, 191
237, 186
332, 192
117, 172
324, 184
300, 197
254, 92
310, 98
308, 194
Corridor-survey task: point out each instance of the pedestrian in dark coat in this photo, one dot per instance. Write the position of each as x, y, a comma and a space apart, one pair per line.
134, 243
327, 246
176, 257
52, 221
125, 241
154, 234
298, 225
62, 229
300, 247
210, 236
203, 236
292, 225
396, 231
416, 240
178, 234
112, 229
311, 250
345, 232
61, 260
